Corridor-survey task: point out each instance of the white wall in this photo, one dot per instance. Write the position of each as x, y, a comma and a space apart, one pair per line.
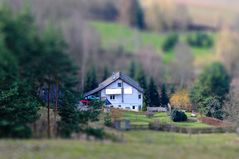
130, 100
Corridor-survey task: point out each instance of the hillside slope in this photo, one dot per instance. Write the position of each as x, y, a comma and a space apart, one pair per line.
207, 12
114, 35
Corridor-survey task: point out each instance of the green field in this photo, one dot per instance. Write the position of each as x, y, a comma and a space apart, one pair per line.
141, 119
114, 35
135, 145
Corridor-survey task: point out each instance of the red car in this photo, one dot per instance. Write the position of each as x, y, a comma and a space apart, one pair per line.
85, 102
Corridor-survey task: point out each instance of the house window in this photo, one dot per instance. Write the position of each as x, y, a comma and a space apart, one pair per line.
119, 84
133, 107
139, 96
119, 106
112, 97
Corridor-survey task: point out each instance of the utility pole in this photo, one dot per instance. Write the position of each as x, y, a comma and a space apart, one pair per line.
48, 113
56, 109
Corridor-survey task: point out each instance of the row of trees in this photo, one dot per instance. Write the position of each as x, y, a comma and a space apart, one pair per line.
32, 64
208, 95
151, 95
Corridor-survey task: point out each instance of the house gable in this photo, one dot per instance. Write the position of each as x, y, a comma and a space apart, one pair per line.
114, 78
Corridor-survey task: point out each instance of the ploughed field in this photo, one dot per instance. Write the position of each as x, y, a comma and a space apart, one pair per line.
135, 144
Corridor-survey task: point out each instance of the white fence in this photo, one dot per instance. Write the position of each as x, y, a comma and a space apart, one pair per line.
156, 109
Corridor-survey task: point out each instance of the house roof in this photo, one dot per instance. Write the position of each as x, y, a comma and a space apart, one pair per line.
113, 78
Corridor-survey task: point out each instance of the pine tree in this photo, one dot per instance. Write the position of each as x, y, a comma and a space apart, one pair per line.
18, 108
59, 72
152, 94
18, 105
94, 78
106, 73
172, 90
141, 78
132, 70
137, 19
69, 117
164, 96
91, 80
209, 92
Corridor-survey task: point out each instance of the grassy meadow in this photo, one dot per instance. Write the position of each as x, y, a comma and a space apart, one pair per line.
113, 35
135, 144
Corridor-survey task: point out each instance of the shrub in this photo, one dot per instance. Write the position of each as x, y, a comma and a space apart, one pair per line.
178, 116
97, 133
181, 100
107, 120
199, 39
170, 42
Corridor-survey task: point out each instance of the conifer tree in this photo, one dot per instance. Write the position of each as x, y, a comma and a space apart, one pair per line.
69, 117
132, 70
209, 92
91, 80
137, 19
152, 94
18, 105
141, 78
105, 73
164, 99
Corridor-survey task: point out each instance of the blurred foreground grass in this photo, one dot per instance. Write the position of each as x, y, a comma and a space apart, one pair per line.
136, 144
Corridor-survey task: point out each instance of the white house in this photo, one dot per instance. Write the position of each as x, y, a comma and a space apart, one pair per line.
119, 91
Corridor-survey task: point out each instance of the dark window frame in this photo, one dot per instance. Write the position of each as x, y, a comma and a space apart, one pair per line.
139, 96
119, 84
112, 97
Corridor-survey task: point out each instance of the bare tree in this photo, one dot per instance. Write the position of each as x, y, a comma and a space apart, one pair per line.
231, 107
228, 49
152, 63
124, 11
163, 15
182, 67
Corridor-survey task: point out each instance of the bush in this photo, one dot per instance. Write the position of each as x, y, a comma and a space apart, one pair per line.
170, 42
178, 116
97, 133
181, 100
107, 120
201, 40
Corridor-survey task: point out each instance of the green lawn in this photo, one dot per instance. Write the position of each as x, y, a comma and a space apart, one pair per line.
137, 118
135, 145
114, 35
